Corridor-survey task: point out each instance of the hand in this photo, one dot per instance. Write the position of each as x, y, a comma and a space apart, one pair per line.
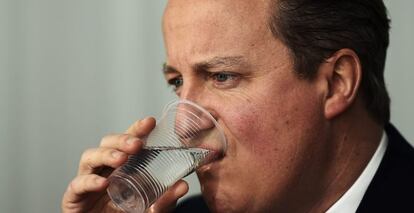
87, 191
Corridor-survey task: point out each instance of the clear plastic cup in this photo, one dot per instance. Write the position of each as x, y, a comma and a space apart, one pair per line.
185, 138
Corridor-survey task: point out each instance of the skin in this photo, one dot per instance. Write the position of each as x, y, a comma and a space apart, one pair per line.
294, 145
288, 137
87, 191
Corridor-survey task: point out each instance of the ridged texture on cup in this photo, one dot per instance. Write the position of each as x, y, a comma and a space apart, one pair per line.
186, 137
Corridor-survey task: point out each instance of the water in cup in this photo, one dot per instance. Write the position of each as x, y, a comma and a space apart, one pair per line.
158, 168
186, 137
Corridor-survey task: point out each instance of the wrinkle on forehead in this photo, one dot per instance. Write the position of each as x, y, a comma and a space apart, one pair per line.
215, 13
215, 23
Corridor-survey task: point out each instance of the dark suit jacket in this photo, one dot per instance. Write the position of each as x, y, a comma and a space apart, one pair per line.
391, 190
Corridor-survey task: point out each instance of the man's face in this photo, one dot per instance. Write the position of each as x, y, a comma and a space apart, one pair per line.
222, 55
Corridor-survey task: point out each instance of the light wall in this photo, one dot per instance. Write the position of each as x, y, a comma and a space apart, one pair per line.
399, 72
74, 71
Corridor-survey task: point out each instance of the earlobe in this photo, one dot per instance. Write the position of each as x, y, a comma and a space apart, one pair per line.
343, 82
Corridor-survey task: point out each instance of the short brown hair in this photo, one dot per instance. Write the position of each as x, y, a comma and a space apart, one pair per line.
315, 29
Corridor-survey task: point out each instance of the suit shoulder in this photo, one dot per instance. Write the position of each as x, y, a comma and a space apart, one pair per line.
392, 187
192, 204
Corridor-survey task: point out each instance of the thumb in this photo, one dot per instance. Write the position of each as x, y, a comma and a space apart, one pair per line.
166, 203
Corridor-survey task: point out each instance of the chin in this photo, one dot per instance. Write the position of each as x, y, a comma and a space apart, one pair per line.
217, 204
218, 190
221, 200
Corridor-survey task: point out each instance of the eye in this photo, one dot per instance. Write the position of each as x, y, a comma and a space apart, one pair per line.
176, 82
224, 79
221, 77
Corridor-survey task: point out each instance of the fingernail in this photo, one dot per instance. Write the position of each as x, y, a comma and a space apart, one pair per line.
146, 119
117, 154
131, 141
181, 190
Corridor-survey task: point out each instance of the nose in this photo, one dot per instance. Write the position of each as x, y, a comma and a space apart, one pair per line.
192, 89
192, 120
195, 92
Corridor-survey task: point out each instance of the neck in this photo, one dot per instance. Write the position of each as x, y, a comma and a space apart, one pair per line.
355, 139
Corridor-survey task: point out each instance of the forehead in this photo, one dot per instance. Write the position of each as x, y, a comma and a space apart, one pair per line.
216, 9
203, 26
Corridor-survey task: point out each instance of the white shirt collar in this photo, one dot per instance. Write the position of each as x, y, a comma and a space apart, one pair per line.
350, 201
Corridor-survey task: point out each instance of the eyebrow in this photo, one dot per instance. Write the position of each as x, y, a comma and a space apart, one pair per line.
168, 69
227, 61
215, 62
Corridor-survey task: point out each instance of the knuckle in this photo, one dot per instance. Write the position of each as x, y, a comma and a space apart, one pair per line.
82, 184
86, 155
75, 185
105, 139
90, 180
90, 159
104, 157
107, 154
123, 138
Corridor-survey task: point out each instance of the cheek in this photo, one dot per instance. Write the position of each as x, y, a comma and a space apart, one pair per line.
249, 128
268, 129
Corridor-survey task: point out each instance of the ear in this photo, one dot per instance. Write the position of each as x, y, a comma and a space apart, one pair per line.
343, 74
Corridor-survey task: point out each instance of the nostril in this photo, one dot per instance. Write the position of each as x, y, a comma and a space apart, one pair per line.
214, 114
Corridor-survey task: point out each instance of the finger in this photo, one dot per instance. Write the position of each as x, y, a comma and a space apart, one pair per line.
122, 142
167, 202
82, 185
92, 159
141, 128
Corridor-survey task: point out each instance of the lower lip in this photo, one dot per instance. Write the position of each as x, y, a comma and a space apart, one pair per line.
210, 166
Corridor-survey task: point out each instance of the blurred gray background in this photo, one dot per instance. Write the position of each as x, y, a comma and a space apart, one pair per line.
74, 71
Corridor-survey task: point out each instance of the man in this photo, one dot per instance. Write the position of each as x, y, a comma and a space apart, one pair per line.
298, 87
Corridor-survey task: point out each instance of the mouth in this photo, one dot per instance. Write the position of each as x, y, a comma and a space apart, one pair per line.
212, 167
